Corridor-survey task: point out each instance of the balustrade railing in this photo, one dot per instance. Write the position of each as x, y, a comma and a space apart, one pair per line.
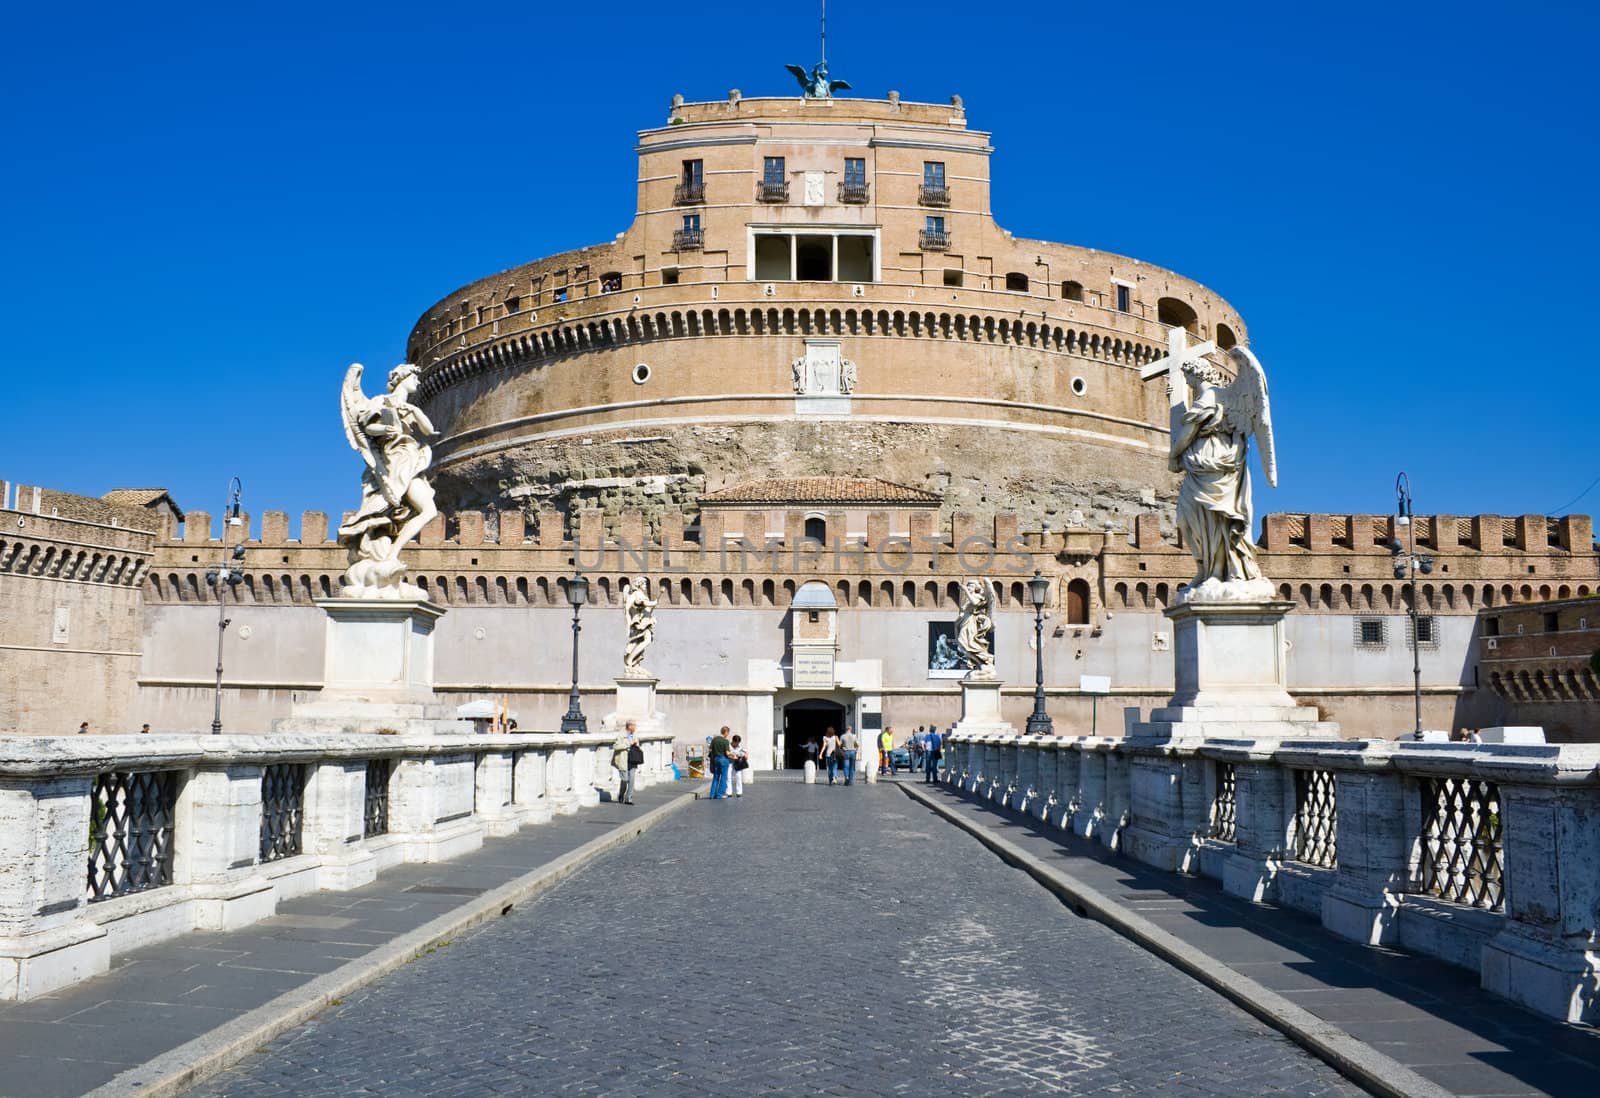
1316, 818
854, 194
375, 804
688, 240
933, 195
689, 194
1463, 858
932, 240
1225, 804
772, 190
130, 832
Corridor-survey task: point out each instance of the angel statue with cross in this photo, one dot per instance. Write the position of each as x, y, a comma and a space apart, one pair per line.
388, 431
1213, 421
975, 627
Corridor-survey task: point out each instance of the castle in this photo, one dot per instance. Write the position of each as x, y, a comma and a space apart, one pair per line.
810, 388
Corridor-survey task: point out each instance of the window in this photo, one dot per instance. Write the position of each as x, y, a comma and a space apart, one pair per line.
936, 225
692, 187
1491, 627
1370, 632
785, 256
690, 236
1427, 633
933, 174
1177, 314
1226, 340
1552, 622
610, 282
1078, 602
774, 185
513, 303
1124, 298
1017, 281
855, 172
934, 237
772, 170
694, 173
560, 295
1072, 291
691, 223
669, 276
816, 528
952, 276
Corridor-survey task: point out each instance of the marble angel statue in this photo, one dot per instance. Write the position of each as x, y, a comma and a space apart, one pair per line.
390, 433
975, 626
639, 608
1212, 423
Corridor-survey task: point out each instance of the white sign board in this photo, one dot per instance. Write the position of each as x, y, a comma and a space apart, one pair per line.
1095, 684
813, 669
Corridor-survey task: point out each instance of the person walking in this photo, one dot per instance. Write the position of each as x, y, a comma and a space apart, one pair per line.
719, 764
932, 748
830, 753
619, 759
740, 759
849, 745
886, 752
83, 729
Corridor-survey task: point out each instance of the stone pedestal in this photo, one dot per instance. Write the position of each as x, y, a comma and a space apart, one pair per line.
636, 702
377, 672
980, 709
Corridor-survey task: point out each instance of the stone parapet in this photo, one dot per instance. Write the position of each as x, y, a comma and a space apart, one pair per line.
210, 832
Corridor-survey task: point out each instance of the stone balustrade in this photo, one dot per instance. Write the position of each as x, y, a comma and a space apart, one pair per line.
1487, 856
110, 843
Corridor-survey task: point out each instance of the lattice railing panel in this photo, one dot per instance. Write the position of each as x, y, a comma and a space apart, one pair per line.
283, 806
375, 812
1316, 818
1463, 856
130, 832
1224, 806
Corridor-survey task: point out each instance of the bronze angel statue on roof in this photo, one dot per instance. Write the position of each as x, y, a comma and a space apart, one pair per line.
1213, 421
388, 431
815, 84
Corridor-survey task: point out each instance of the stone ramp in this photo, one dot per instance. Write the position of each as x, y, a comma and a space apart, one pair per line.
1431, 1017
160, 997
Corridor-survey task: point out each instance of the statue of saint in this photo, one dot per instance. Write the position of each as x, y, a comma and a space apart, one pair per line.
847, 377
1212, 424
388, 431
639, 608
975, 625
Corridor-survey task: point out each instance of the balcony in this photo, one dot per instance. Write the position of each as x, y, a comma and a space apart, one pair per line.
689, 194
929, 195
933, 240
854, 194
688, 240
772, 190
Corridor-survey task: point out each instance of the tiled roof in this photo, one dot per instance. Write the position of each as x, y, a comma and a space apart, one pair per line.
142, 497
809, 490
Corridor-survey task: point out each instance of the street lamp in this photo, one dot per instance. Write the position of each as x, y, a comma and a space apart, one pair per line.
577, 595
1406, 566
1038, 721
223, 575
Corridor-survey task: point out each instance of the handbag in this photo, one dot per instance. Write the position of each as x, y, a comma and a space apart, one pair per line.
741, 763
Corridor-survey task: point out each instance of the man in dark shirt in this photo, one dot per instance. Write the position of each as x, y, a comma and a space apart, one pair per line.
933, 748
719, 764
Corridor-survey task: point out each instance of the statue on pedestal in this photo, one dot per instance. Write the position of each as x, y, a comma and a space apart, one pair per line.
388, 431
1212, 424
975, 625
640, 611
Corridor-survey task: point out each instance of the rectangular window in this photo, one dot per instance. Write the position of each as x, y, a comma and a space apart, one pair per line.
694, 172
772, 172
669, 276
1123, 302
691, 223
952, 277
561, 294
935, 226
1369, 632
1491, 627
1425, 631
933, 174
855, 172
1552, 622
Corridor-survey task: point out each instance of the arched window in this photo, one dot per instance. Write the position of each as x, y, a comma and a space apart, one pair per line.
1226, 338
816, 528
1177, 314
1017, 281
1078, 602
1072, 291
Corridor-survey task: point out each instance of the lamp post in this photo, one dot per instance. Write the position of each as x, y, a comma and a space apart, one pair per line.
1406, 566
1038, 721
577, 595
223, 575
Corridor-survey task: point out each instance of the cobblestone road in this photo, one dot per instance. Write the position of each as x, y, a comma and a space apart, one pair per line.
802, 940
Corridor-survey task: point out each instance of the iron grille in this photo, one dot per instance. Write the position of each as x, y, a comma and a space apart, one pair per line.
853, 193
688, 240
688, 194
1316, 818
283, 810
1463, 858
1224, 808
772, 190
375, 813
931, 240
933, 195
130, 832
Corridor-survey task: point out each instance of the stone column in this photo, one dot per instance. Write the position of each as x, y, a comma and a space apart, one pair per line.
1547, 957
430, 807
1167, 804
332, 828
494, 810
558, 779
586, 764
47, 936
531, 800
217, 846
1262, 812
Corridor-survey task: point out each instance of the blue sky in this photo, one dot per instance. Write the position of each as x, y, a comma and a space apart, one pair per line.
211, 210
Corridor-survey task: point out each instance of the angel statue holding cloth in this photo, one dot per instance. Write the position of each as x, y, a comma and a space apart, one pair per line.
1212, 423
389, 433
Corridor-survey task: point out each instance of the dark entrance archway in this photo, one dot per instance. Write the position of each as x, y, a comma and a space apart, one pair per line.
807, 719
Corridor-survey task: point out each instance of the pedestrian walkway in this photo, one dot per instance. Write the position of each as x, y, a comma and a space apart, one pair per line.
1430, 1016
157, 998
799, 940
